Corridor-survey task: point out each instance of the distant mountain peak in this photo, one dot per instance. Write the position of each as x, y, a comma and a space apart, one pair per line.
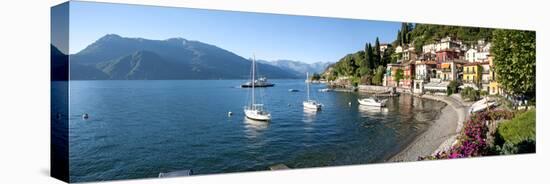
175, 58
110, 37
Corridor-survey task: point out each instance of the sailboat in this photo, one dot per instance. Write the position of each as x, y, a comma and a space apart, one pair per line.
310, 104
253, 110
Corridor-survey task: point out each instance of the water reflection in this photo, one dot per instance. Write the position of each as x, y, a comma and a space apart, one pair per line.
366, 111
254, 128
309, 115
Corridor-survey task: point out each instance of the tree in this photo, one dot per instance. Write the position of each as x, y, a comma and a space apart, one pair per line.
378, 75
364, 71
377, 54
452, 87
398, 39
469, 93
315, 77
515, 61
398, 76
369, 57
404, 33
387, 56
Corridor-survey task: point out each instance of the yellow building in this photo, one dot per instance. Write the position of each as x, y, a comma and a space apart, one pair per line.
472, 73
494, 86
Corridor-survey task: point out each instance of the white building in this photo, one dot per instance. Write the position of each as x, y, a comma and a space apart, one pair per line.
429, 48
471, 55
444, 44
398, 49
479, 52
421, 71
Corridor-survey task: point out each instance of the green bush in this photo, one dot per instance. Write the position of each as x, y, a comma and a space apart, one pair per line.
522, 127
517, 135
469, 93
452, 87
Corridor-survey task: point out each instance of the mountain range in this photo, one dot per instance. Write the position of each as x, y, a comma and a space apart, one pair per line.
299, 68
113, 57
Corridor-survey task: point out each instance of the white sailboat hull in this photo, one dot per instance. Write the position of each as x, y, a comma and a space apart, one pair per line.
312, 105
257, 115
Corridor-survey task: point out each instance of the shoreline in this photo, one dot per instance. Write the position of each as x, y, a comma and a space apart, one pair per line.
441, 135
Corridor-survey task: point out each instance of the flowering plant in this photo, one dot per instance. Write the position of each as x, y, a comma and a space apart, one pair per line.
473, 138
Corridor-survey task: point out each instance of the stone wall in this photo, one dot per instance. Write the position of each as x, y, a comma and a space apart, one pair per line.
376, 89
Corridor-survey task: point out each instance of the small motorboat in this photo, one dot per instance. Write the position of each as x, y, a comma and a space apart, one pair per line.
325, 90
372, 102
293, 90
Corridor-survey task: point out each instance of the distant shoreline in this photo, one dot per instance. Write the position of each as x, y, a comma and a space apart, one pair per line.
439, 136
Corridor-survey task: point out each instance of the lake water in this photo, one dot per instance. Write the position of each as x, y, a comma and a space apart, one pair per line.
137, 129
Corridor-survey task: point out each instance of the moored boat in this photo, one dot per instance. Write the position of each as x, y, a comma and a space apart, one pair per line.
372, 102
482, 105
256, 111
259, 83
309, 103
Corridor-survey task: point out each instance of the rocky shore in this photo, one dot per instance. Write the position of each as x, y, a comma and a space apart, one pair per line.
441, 134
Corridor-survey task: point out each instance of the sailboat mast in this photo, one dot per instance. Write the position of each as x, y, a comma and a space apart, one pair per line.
307, 83
253, 73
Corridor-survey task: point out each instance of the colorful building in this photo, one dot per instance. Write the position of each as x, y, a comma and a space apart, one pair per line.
448, 54
408, 75
389, 77
479, 52
485, 75
472, 73
494, 86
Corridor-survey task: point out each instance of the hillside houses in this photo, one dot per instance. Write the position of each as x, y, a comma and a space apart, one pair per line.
478, 52
441, 62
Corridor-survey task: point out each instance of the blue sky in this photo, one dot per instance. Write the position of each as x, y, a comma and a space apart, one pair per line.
268, 36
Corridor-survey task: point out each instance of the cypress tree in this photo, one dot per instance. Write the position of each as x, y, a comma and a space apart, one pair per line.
398, 39
370, 57
377, 54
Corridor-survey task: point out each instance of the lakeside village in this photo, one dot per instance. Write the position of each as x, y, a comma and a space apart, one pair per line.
464, 74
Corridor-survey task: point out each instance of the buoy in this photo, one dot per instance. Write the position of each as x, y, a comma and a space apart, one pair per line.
229, 113
85, 116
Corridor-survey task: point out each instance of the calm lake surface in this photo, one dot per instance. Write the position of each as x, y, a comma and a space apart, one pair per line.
137, 129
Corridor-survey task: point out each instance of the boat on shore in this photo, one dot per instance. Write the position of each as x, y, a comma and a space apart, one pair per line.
482, 105
259, 83
256, 111
372, 102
